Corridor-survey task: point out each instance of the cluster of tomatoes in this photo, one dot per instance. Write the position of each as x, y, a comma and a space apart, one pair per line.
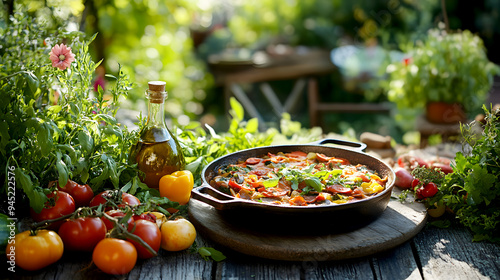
110, 225
423, 188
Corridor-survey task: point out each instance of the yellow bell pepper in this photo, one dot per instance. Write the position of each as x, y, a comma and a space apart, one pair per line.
371, 187
177, 186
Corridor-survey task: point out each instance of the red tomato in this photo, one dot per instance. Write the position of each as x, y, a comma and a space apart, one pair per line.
430, 190
322, 157
114, 256
427, 190
149, 233
415, 182
232, 183
145, 216
126, 199
82, 234
116, 214
82, 194
60, 203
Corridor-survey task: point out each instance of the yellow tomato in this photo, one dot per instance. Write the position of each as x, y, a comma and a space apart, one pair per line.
438, 211
33, 252
160, 218
177, 235
177, 186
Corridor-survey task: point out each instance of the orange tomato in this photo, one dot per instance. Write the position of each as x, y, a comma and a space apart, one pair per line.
114, 256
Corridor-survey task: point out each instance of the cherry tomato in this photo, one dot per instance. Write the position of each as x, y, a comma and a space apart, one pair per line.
145, 216
114, 256
126, 199
427, 190
82, 234
415, 182
59, 204
177, 235
430, 190
33, 252
159, 217
82, 194
438, 211
149, 233
116, 214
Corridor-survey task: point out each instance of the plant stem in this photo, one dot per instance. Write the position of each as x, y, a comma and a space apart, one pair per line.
124, 233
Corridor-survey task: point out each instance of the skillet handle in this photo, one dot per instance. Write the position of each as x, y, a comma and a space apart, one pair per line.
207, 194
357, 146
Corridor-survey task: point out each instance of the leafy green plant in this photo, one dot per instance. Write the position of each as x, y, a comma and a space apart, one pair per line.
54, 126
471, 194
447, 67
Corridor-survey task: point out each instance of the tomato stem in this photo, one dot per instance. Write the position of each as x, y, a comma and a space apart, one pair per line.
86, 210
123, 233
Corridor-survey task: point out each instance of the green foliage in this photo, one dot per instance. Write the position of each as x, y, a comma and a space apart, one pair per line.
54, 127
325, 22
152, 41
200, 147
448, 67
472, 191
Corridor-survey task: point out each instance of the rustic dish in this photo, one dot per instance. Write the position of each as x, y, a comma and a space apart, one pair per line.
257, 214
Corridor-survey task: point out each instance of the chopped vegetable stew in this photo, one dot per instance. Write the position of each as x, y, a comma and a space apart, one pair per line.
298, 179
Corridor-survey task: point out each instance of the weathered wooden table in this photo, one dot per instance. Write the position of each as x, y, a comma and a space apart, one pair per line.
432, 254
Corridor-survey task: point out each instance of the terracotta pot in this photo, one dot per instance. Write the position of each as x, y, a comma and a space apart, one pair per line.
445, 113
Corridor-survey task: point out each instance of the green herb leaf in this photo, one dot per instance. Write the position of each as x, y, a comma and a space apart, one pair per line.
208, 252
273, 182
37, 197
315, 183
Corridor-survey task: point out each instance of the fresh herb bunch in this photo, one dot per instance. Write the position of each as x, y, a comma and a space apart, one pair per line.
53, 125
476, 180
471, 194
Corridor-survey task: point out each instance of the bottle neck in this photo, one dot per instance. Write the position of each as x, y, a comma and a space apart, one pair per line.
156, 115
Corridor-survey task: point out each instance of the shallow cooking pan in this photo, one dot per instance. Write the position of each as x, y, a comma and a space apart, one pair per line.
332, 216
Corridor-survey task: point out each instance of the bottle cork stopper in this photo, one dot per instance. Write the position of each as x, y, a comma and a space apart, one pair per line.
157, 86
156, 91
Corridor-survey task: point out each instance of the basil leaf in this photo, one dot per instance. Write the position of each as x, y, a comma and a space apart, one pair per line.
315, 183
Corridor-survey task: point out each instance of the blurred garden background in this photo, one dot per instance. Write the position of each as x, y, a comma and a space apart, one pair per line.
172, 40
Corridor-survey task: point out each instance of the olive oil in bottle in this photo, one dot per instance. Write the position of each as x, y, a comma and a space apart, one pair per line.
157, 152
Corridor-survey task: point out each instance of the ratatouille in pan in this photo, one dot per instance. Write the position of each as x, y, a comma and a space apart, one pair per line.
299, 179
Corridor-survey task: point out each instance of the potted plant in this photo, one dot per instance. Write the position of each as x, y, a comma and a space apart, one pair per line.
447, 73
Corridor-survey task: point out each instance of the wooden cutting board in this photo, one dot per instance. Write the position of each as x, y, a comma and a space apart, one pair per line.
399, 223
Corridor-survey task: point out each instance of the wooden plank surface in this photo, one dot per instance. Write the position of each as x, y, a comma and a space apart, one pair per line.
450, 254
432, 254
399, 263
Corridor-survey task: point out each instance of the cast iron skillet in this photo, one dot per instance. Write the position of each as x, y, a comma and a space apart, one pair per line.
249, 212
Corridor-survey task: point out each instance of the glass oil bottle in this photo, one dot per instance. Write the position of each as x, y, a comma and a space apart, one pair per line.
157, 152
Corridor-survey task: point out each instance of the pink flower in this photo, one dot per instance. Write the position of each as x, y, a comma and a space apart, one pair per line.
61, 56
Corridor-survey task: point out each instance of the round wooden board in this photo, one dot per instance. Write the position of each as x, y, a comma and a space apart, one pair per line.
399, 223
